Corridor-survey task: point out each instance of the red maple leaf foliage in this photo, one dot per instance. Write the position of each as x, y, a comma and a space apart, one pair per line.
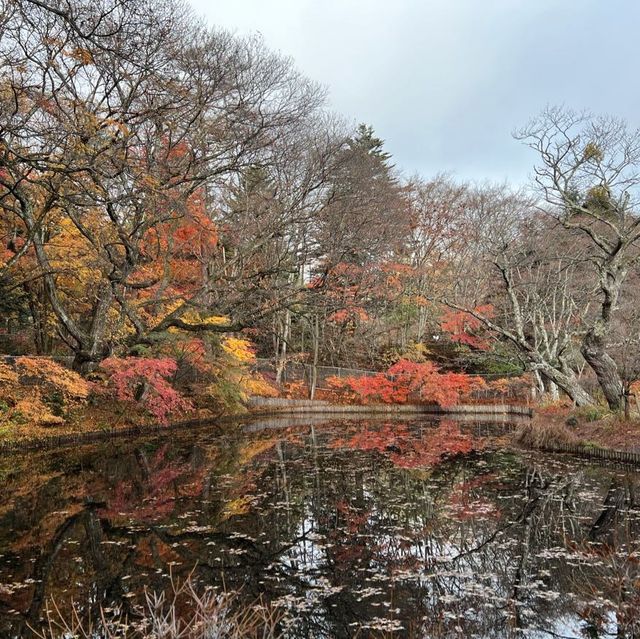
146, 380
405, 381
464, 328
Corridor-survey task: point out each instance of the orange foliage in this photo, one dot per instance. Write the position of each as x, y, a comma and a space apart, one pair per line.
515, 389
352, 314
296, 390
40, 391
350, 288
463, 328
407, 381
45, 374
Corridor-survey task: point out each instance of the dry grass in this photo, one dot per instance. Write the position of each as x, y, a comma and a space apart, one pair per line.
545, 435
183, 614
557, 425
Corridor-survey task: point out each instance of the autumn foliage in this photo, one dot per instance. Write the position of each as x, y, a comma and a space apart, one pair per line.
407, 381
146, 381
465, 328
39, 391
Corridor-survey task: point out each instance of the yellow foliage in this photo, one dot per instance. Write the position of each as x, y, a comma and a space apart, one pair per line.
8, 377
240, 349
35, 411
415, 352
253, 449
258, 386
192, 317
37, 387
73, 256
117, 327
46, 372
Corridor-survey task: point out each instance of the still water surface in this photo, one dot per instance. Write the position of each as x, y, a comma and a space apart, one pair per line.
352, 528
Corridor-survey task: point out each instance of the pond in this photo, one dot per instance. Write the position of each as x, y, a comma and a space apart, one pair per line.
350, 527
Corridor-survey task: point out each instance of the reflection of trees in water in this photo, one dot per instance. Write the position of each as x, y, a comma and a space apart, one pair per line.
484, 545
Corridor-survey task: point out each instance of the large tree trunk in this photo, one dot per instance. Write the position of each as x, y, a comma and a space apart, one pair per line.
92, 348
568, 383
594, 343
606, 370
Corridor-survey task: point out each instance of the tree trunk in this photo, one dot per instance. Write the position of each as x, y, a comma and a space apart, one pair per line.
315, 332
92, 348
555, 393
568, 383
606, 370
281, 345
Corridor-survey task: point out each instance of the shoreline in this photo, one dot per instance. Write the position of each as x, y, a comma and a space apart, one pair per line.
283, 408
535, 430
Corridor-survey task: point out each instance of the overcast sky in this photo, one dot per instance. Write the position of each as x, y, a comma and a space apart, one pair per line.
445, 82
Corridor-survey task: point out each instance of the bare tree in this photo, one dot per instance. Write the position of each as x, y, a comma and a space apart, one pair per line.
589, 173
528, 282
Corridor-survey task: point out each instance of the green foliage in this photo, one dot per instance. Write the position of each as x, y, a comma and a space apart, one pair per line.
592, 413
55, 402
227, 395
366, 140
141, 350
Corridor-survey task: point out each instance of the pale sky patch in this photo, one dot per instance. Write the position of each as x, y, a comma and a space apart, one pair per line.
445, 82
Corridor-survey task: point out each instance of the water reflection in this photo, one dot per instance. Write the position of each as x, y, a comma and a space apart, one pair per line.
354, 528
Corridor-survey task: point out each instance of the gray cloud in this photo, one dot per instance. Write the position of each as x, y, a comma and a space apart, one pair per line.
444, 82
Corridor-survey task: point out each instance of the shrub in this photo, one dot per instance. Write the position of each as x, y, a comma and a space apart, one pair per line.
536, 435
40, 391
146, 381
592, 413
407, 380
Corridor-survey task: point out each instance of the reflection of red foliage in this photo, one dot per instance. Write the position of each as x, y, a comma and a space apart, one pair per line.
347, 534
465, 504
158, 491
407, 380
354, 519
405, 450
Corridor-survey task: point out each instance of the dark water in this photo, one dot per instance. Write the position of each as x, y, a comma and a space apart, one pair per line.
352, 528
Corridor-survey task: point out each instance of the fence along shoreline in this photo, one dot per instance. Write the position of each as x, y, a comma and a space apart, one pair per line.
277, 404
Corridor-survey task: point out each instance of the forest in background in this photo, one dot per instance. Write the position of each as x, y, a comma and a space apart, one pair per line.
176, 200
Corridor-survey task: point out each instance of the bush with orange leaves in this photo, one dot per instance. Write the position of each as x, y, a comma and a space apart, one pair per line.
39, 391
407, 381
296, 390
